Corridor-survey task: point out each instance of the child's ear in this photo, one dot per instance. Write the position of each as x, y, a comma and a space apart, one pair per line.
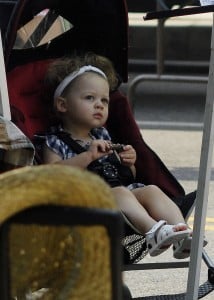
61, 104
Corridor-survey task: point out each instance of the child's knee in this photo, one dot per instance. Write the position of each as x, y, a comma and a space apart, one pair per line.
121, 190
153, 188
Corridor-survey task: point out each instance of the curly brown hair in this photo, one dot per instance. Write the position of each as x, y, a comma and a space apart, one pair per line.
64, 66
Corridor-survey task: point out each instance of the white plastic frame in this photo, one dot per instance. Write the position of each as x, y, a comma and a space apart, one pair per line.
4, 98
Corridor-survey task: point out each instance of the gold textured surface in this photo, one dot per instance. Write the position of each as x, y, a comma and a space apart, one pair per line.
71, 262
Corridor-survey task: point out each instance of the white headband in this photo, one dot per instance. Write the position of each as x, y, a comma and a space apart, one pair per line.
65, 82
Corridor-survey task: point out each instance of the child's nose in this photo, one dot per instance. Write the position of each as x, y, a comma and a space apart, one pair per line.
99, 103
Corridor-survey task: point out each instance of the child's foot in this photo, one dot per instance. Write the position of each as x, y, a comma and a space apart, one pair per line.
181, 227
182, 248
161, 236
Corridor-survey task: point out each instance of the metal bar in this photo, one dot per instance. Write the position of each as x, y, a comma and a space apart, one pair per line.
158, 78
203, 185
155, 266
160, 42
160, 47
178, 12
207, 259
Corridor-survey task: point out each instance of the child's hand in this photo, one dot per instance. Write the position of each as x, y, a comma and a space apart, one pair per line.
99, 148
128, 156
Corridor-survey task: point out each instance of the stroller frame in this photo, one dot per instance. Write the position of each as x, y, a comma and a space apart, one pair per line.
4, 99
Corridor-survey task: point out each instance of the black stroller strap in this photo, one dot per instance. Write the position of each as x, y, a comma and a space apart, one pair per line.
67, 139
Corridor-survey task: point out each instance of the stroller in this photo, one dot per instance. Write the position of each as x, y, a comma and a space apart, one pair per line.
29, 114
98, 26
88, 33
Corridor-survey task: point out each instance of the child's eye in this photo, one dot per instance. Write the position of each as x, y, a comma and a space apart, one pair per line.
105, 100
89, 97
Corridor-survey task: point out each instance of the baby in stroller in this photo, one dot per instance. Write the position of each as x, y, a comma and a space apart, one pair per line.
79, 90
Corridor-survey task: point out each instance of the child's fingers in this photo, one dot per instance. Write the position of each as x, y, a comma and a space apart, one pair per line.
104, 146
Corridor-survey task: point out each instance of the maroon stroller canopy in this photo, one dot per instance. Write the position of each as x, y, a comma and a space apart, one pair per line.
98, 25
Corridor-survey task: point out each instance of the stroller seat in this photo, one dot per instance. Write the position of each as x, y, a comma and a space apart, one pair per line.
25, 93
29, 113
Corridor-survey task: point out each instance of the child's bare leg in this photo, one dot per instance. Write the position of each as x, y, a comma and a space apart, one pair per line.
158, 205
145, 207
148, 205
133, 210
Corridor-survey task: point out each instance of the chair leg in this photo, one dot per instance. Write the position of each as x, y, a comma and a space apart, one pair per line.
126, 293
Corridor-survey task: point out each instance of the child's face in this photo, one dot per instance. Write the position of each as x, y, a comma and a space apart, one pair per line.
87, 101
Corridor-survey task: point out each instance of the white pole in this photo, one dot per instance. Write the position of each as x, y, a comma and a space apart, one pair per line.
4, 99
203, 184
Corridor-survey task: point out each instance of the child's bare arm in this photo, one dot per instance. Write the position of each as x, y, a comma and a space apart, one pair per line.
81, 160
97, 149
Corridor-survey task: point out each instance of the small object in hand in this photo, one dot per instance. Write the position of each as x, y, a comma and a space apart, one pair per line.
117, 147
